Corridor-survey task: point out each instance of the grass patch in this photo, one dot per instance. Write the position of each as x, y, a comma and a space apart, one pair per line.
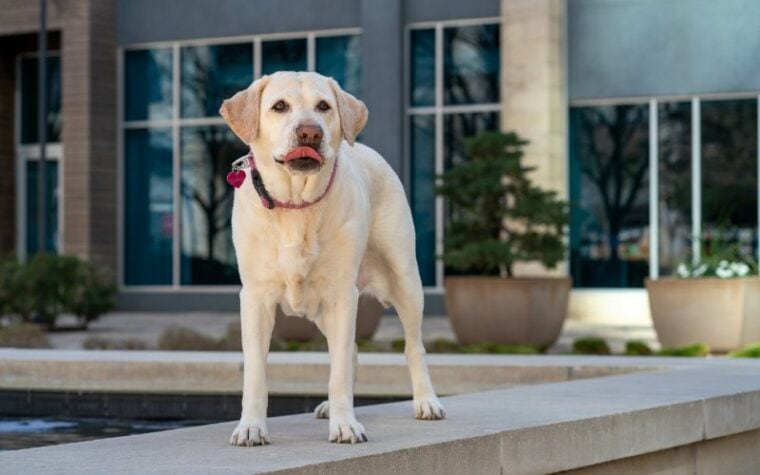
591, 346
637, 348
747, 351
23, 335
695, 350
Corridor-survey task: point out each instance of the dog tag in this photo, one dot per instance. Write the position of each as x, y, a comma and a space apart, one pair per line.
236, 178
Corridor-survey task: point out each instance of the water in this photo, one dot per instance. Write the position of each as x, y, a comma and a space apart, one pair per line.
24, 433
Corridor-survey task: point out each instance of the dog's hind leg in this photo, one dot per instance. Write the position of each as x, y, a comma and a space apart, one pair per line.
408, 300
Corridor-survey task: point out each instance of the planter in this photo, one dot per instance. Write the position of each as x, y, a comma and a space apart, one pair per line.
512, 311
369, 313
724, 313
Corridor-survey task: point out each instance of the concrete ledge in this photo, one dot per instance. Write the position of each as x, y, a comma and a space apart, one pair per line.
379, 374
710, 406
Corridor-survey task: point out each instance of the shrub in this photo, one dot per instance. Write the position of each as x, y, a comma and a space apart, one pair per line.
498, 348
591, 346
697, 349
23, 335
748, 351
48, 285
186, 339
637, 348
99, 343
498, 217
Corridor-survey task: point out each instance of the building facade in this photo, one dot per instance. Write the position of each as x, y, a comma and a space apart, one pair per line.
643, 113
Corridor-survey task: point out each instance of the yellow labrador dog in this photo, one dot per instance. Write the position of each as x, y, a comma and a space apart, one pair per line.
317, 220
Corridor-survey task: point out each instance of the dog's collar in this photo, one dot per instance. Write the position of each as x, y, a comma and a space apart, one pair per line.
248, 161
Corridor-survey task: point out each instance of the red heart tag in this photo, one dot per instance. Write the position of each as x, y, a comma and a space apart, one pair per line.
236, 178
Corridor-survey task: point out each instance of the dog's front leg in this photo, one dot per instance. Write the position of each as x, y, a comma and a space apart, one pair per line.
257, 322
340, 325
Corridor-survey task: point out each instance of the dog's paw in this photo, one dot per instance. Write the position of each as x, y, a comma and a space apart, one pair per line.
347, 430
323, 410
248, 434
429, 409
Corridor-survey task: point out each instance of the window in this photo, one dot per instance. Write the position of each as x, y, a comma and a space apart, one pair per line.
176, 201
710, 192
449, 100
28, 154
609, 190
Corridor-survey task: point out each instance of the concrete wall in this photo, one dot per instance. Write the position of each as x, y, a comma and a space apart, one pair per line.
656, 47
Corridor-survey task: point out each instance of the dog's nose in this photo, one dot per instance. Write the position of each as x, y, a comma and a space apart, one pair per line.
309, 134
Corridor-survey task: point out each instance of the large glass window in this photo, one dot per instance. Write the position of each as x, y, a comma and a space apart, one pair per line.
340, 57
283, 55
148, 84
609, 194
208, 256
468, 75
471, 64
674, 177
148, 207
29, 96
211, 74
729, 173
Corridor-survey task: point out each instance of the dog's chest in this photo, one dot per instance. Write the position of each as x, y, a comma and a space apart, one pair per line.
297, 252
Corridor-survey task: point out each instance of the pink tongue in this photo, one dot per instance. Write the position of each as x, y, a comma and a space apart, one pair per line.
302, 152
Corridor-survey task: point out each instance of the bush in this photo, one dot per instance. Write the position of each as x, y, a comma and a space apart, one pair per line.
591, 346
98, 343
697, 349
498, 217
48, 285
23, 335
637, 348
748, 351
186, 339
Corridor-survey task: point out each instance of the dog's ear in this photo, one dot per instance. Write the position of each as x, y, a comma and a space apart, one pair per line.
241, 111
353, 113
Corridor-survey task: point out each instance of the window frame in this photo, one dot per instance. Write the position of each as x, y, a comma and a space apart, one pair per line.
438, 110
696, 165
175, 124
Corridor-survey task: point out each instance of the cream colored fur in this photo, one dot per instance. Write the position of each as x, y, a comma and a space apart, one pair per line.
315, 261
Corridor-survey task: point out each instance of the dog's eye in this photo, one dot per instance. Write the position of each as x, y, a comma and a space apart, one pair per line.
280, 106
323, 106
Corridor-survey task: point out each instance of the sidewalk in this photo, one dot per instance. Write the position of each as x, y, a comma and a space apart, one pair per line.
149, 326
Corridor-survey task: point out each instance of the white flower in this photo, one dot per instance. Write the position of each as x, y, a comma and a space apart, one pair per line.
682, 271
724, 272
699, 271
740, 268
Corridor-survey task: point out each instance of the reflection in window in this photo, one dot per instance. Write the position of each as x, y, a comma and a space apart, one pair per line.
674, 175
459, 127
211, 74
422, 141
609, 195
284, 55
148, 215
340, 57
729, 173
148, 84
422, 68
51, 207
208, 256
29, 86
471, 64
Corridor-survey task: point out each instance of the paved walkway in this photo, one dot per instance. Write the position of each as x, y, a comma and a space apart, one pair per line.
149, 326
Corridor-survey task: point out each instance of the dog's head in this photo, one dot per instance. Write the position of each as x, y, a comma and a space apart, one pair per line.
296, 119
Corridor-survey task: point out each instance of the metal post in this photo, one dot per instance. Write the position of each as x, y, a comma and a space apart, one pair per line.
42, 130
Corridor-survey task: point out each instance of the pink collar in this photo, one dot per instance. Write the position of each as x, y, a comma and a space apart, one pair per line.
267, 200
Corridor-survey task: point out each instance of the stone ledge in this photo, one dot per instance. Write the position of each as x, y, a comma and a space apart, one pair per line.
379, 374
527, 429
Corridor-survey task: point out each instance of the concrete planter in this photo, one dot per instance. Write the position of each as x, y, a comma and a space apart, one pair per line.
513, 311
368, 317
724, 313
